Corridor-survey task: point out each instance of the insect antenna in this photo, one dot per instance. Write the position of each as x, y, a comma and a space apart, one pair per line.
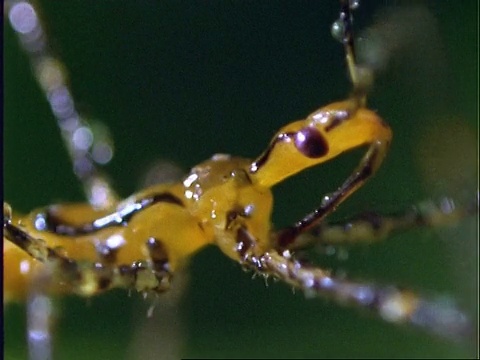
342, 30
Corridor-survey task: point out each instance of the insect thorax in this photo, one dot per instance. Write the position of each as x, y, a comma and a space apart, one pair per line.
225, 197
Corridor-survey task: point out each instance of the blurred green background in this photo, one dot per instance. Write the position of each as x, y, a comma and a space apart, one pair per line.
182, 80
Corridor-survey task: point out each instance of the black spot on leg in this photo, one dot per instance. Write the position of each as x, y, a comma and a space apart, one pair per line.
107, 254
286, 237
75, 273
366, 172
158, 255
230, 218
244, 242
136, 268
104, 282
310, 142
126, 273
67, 268
233, 214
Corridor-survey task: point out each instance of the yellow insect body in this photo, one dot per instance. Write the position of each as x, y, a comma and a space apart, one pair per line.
221, 201
141, 242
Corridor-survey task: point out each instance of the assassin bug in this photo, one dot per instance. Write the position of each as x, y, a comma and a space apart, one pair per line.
237, 214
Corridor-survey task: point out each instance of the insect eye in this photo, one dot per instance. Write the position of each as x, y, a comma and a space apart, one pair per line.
310, 142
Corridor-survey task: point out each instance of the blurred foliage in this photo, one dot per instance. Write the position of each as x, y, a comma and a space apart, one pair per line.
182, 80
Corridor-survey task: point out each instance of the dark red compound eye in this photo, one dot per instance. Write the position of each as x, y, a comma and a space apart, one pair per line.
310, 142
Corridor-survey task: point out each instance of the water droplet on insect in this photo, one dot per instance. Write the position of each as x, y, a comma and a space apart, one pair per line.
325, 200
354, 4
23, 18
338, 30
82, 138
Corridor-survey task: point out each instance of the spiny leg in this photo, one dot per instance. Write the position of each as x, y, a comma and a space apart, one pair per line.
83, 278
287, 237
87, 148
393, 304
152, 276
87, 278
371, 227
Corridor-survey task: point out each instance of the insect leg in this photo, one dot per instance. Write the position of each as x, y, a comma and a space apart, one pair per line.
378, 139
372, 227
342, 30
87, 148
287, 237
391, 303
87, 278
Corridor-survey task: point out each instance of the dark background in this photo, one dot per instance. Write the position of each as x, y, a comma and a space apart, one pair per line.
184, 80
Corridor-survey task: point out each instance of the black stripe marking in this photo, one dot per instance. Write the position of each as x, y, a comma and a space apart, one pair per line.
107, 254
233, 214
338, 118
262, 160
245, 242
158, 255
287, 236
50, 222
